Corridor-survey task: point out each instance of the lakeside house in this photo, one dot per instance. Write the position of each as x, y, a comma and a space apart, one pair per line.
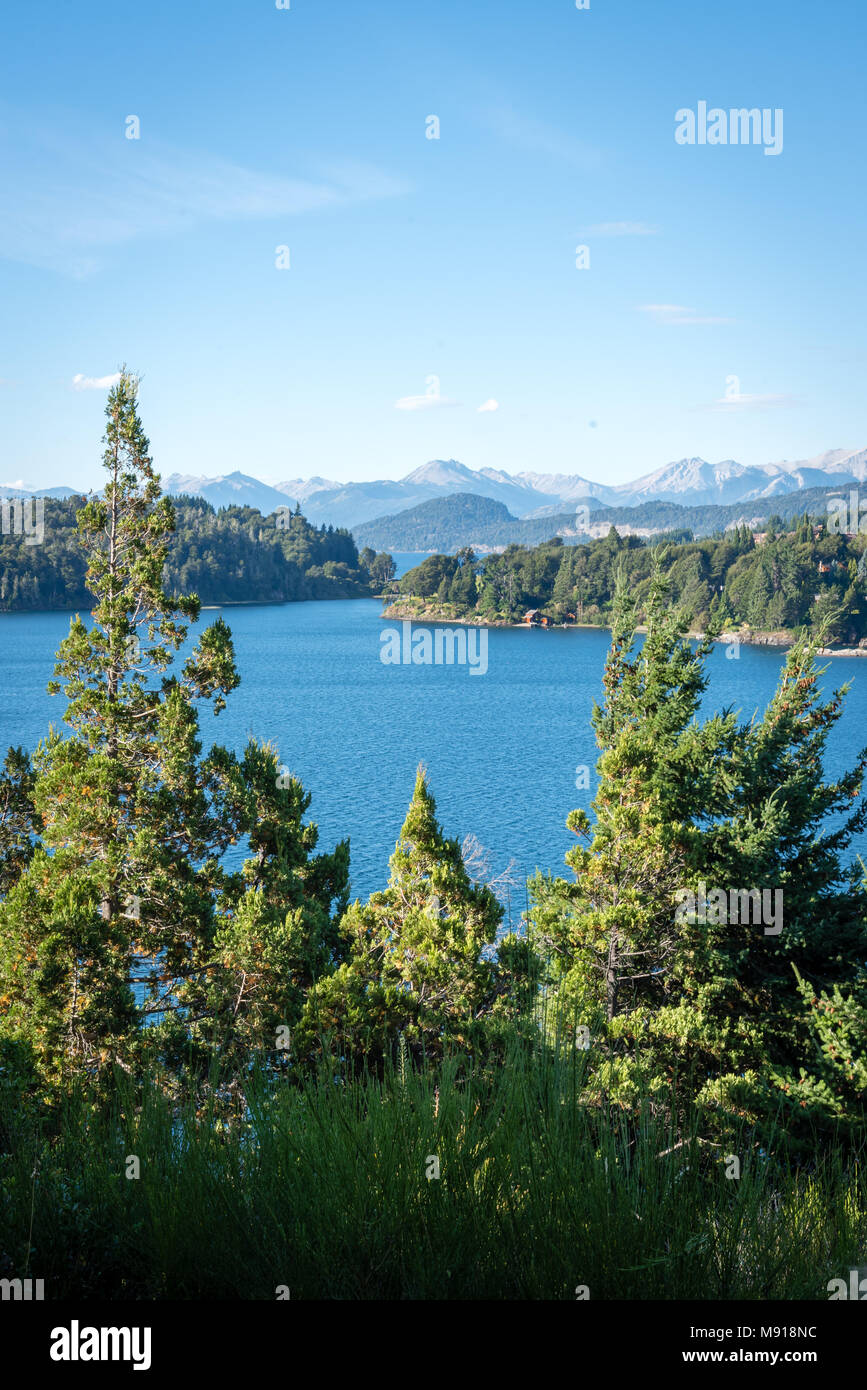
534, 617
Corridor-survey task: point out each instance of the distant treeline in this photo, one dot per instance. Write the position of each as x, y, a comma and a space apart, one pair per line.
792, 578
232, 556
466, 519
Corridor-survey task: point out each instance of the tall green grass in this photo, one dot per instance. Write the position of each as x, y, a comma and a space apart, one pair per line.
323, 1188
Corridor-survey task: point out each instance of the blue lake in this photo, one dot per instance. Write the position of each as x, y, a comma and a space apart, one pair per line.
501, 749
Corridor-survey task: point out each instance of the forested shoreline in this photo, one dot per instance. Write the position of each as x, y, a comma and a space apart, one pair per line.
234, 555
810, 577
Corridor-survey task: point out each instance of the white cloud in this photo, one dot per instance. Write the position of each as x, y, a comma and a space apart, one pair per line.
620, 229
72, 196
678, 314
94, 383
488, 408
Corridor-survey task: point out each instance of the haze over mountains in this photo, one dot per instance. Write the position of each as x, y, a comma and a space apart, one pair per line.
445, 524
19, 490
528, 494
690, 482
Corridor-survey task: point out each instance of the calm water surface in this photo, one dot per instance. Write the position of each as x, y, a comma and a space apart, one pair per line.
502, 749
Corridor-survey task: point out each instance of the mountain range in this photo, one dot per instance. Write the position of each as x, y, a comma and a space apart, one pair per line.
19, 490
689, 482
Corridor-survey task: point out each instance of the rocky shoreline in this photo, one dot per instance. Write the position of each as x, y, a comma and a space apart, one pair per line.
408, 610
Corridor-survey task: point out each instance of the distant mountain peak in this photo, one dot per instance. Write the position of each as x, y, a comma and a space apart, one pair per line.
689, 481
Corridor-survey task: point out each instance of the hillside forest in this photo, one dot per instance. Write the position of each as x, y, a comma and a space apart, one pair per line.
804, 575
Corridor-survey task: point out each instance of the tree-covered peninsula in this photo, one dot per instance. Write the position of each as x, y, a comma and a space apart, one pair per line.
803, 575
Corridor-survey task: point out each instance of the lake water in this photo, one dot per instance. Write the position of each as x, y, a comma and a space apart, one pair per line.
408, 559
501, 749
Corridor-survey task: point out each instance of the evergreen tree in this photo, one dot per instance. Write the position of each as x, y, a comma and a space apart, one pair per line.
770, 829
834, 1082
277, 929
726, 808
131, 817
416, 953
613, 936
18, 820
563, 592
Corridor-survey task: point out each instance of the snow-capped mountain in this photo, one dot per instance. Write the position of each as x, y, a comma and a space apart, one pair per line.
348, 504
300, 488
19, 489
233, 490
689, 481
842, 461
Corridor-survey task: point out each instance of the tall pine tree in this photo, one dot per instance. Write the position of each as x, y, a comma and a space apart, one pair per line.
123, 939
416, 953
725, 807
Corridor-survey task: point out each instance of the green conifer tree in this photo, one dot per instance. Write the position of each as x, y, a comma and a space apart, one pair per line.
725, 807
612, 936
18, 820
126, 863
777, 826
123, 939
416, 953
277, 930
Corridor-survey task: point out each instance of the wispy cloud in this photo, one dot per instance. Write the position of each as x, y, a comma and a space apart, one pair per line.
530, 133
70, 198
94, 383
601, 229
488, 408
678, 314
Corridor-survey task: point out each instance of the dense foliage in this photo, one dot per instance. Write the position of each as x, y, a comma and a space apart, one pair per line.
711, 809
812, 577
232, 556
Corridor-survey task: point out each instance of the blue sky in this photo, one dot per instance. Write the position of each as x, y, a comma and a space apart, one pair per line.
413, 258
